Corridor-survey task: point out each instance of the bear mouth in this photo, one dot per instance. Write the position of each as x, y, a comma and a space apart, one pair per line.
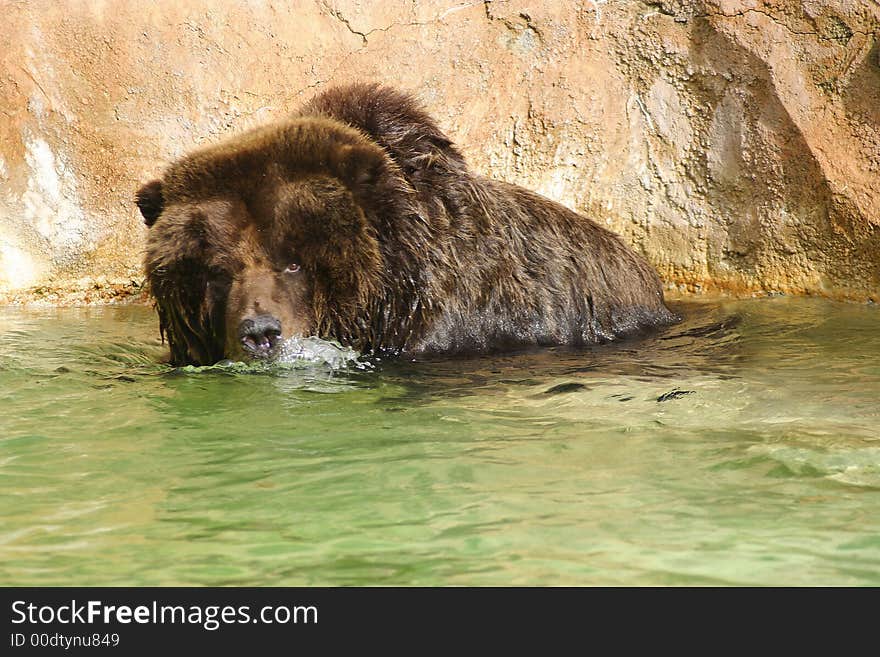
263, 349
260, 337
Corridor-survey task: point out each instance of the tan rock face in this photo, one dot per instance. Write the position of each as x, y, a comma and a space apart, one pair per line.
735, 143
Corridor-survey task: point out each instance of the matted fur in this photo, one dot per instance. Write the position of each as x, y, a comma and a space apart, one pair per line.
403, 248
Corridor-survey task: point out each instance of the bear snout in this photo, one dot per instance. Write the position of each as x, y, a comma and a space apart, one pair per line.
259, 335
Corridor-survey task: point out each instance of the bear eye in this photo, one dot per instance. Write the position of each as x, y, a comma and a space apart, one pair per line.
292, 268
216, 279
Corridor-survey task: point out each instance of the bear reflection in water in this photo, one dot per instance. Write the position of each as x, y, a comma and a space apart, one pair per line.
357, 220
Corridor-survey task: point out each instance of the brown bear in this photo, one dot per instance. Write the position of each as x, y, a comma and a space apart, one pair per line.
358, 220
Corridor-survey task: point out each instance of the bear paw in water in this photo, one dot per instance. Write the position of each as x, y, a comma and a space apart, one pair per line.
357, 220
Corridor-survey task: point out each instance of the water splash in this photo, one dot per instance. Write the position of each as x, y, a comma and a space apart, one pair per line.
315, 351
312, 355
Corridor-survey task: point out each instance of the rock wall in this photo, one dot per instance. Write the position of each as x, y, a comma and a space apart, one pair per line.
736, 143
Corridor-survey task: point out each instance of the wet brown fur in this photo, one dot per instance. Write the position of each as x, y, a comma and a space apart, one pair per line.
403, 248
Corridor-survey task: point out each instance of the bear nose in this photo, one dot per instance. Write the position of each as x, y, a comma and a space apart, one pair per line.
259, 335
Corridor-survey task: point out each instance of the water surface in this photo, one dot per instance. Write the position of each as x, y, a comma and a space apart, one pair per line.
739, 447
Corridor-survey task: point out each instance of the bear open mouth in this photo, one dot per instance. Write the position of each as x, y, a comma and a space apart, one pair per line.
259, 337
265, 348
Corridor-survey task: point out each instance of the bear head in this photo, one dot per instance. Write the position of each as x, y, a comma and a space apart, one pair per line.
270, 235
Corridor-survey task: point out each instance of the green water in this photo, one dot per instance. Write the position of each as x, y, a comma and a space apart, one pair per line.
546, 468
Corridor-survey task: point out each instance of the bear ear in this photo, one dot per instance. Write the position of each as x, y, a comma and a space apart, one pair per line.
150, 200
359, 167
